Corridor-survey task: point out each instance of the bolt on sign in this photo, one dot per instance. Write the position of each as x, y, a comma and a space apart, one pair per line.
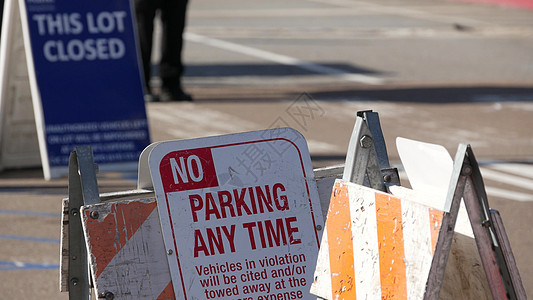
240, 215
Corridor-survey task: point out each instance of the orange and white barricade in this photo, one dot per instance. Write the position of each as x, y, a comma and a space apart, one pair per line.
375, 246
126, 250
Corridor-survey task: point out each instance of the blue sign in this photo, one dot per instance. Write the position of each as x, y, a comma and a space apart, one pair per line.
87, 73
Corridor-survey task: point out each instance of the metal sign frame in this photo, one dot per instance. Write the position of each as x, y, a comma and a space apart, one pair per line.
367, 162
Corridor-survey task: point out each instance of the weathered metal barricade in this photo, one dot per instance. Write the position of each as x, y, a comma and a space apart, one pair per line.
112, 243
378, 246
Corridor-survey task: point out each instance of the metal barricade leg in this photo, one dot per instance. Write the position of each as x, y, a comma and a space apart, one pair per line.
82, 190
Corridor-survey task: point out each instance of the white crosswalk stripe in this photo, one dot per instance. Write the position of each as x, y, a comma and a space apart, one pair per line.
188, 123
502, 177
498, 174
508, 194
506, 181
525, 170
515, 176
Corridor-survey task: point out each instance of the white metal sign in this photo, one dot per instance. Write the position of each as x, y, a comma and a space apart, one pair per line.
19, 146
240, 215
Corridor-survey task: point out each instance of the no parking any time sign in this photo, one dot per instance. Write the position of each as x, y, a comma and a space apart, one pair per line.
240, 215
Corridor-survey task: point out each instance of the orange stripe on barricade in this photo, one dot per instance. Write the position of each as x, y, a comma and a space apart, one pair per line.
126, 218
340, 245
391, 247
435, 220
168, 293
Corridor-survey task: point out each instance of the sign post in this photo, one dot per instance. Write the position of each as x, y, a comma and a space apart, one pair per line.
85, 81
240, 215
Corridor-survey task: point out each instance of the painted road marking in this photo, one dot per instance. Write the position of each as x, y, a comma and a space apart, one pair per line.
16, 265
30, 213
28, 239
513, 174
524, 170
501, 177
220, 123
191, 126
513, 180
509, 195
283, 59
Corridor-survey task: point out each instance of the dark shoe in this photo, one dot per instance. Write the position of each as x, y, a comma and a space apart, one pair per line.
174, 95
151, 98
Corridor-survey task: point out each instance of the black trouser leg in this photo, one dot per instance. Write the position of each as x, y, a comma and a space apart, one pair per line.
173, 14
145, 13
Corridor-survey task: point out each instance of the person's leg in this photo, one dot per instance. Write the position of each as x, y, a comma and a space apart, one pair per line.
145, 13
173, 14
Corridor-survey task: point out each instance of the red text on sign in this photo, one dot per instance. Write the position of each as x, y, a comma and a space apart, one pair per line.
213, 243
239, 202
272, 235
188, 170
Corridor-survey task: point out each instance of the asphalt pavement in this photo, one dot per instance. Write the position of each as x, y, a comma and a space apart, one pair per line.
436, 71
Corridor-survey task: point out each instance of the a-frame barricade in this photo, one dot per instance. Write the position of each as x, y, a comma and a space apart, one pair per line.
112, 244
380, 246
489, 233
